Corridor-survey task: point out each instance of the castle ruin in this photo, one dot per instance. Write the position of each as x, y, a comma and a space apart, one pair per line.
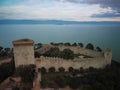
24, 55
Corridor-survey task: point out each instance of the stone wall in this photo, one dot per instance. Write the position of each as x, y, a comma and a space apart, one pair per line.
48, 62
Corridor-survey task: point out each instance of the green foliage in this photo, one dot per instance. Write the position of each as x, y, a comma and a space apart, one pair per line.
15, 88
90, 79
43, 70
61, 69
26, 72
38, 45
61, 82
80, 44
70, 69
74, 44
37, 54
6, 70
67, 54
98, 49
74, 82
90, 46
51, 69
67, 44
55, 52
44, 83
5, 52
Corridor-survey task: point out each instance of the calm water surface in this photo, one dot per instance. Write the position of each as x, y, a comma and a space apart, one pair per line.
100, 35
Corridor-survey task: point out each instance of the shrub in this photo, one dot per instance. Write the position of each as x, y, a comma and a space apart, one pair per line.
51, 69
67, 54
43, 70
60, 80
89, 46
26, 72
61, 69
74, 83
70, 69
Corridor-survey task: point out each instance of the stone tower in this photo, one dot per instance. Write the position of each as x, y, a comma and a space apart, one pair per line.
108, 56
23, 52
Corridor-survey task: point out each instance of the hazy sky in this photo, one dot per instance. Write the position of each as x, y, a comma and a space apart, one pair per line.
73, 10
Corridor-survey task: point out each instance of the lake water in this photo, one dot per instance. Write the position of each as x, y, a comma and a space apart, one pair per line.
104, 36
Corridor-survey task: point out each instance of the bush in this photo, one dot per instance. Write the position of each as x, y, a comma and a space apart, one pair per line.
53, 52
15, 88
74, 83
81, 70
43, 70
60, 80
6, 70
51, 69
89, 46
67, 54
26, 72
80, 44
61, 69
70, 69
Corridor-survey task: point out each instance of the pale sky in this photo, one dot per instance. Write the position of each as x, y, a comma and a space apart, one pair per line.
70, 10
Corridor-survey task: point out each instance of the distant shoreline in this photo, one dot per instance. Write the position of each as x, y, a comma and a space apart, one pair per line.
57, 22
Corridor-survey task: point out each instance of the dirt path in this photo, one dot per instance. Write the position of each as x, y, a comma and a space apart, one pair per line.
37, 81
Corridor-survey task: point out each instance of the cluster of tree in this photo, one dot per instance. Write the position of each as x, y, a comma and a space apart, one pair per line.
5, 52
26, 72
38, 45
51, 70
88, 79
88, 46
55, 52
6, 70
67, 44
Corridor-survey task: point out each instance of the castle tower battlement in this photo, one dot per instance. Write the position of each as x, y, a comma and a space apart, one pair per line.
23, 52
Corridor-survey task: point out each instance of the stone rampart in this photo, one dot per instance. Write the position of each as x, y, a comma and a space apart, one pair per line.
80, 50
48, 62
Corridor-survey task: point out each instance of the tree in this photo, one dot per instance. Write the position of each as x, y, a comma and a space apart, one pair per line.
80, 44
74, 83
26, 72
43, 70
61, 69
37, 54
53, 52
81, 70
15, 88
67, 54
74, 44
89, 46
60, 80
67, 44
1, 48
70, 69
99, 49
51, 69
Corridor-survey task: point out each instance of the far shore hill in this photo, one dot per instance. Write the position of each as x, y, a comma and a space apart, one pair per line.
57, 22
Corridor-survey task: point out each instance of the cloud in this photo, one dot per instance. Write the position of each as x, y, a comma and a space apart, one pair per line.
104, 15
57, 10
114, 4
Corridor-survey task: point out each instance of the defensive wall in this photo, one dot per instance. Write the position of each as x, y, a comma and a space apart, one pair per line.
77, 63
